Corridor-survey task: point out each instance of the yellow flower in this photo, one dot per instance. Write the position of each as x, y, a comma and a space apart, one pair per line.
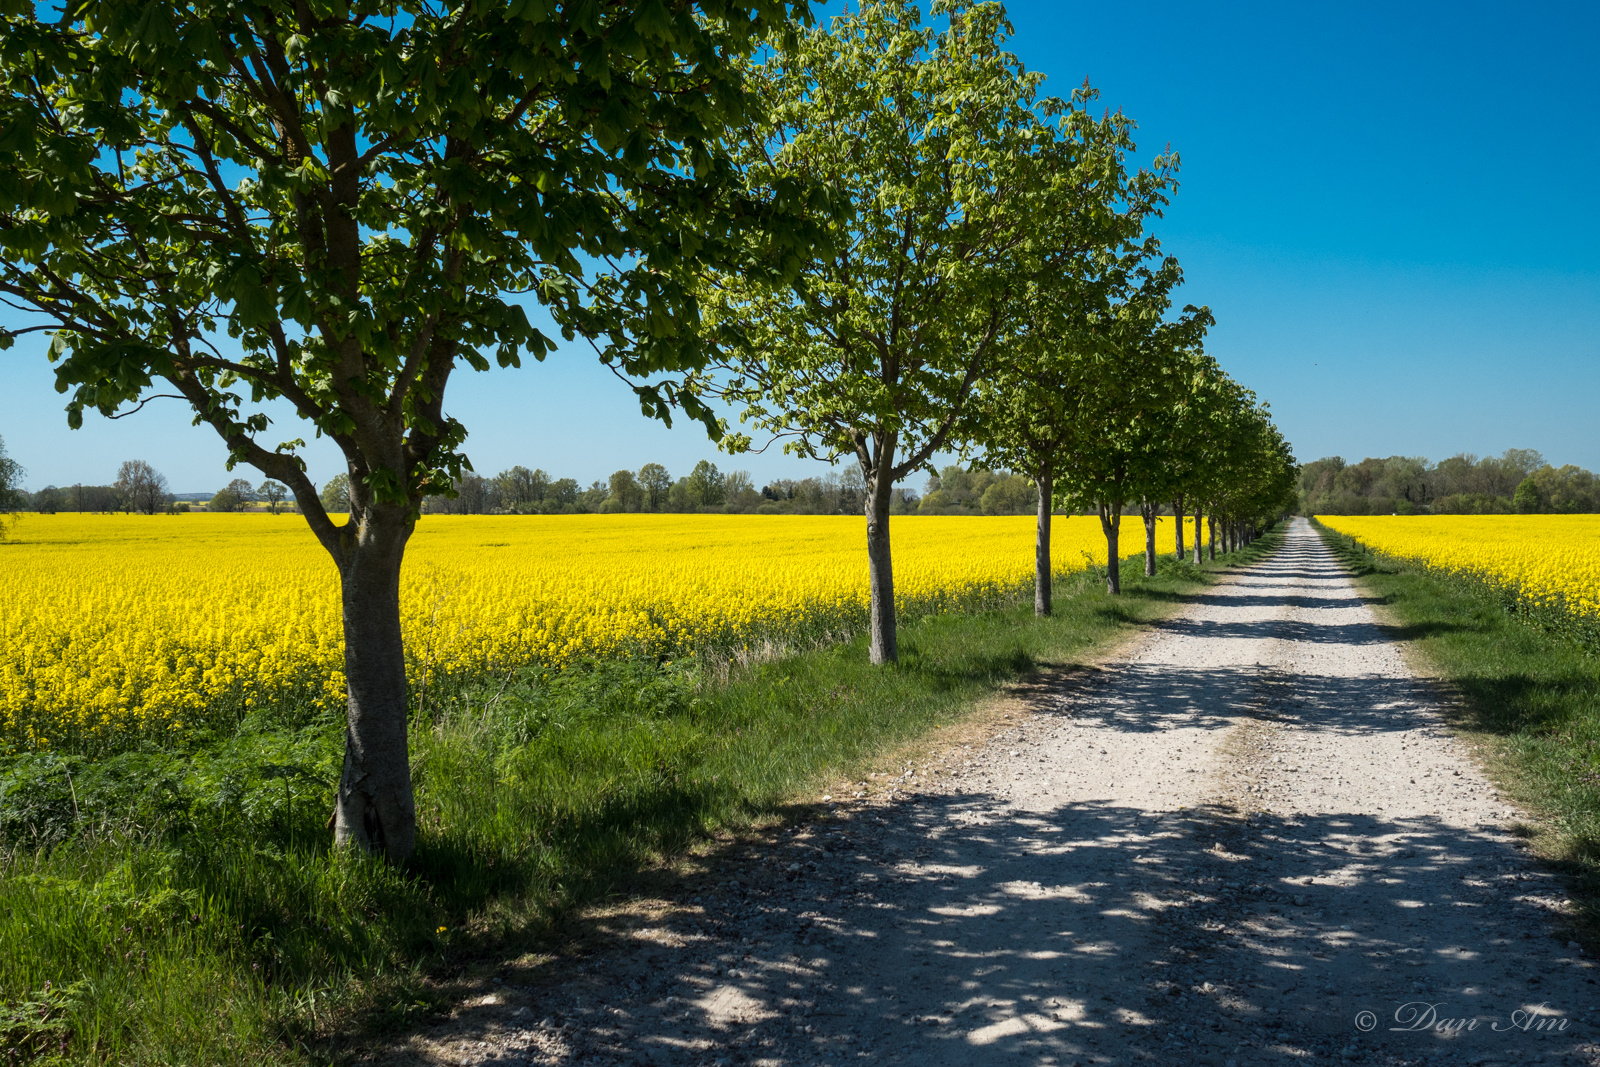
126, 623
1550, 561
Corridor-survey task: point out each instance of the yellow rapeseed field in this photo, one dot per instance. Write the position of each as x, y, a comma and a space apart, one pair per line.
1551, 561
120, 623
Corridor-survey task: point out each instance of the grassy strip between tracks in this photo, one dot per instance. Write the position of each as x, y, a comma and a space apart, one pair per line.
1526, 693
184, 907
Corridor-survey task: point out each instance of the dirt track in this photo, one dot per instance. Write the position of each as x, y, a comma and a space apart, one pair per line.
1222, 849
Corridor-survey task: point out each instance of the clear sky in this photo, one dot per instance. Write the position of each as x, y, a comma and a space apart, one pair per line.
1389, 207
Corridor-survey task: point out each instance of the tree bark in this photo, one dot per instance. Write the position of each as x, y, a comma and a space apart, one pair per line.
1110, 522
376, 809
1177, 515
1041, 550
1148, 511
1213, 537
1197, 534
885, 646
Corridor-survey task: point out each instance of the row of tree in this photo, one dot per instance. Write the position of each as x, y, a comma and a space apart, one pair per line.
876, 238
141, 488
995, 290
1517, 481
955, 490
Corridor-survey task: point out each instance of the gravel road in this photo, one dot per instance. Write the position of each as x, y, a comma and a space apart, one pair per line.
1249, 839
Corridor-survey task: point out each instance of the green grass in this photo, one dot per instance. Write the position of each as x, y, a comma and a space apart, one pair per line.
185, 907
1527, 691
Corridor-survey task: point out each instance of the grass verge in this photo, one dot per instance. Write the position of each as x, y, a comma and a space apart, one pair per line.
1525, 694
184, 907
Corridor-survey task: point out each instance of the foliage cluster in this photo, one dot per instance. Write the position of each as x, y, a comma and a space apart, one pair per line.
1518, 481
955, 490
994, 289
978, 490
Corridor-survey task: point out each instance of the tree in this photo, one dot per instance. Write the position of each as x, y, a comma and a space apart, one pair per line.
1255, 476
11, 475
563, 493
1172, 432
93, 498
521, 489
48, 500
654, 481
478, 495
623, 493
706, 485
273, 493
1047, 407
141, 487
226, 499
359, 196
335, 495
1527, 497
1008, 495
1085, 403
739, 490
933, 138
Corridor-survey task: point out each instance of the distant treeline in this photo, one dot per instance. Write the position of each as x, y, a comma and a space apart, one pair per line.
651, 488
519, 491
141, 488
1517, 481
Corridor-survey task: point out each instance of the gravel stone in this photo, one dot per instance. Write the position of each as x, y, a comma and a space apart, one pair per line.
1248, 827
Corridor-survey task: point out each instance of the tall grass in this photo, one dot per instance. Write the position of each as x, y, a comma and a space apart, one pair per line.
185, 907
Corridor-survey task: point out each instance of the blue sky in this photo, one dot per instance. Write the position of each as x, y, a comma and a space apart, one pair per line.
1390, 209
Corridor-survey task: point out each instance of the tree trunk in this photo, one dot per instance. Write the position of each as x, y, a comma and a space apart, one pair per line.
1197, 532
1041, 550
1110, 521
375, 806
1148, 511
1213, 537
1177, 515
885, 646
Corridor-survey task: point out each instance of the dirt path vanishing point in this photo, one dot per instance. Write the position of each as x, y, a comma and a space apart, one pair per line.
1249, 841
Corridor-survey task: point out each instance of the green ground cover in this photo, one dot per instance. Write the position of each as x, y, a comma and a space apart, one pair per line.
185, 907
1525, 687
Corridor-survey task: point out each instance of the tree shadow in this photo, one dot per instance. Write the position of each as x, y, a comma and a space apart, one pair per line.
969, 928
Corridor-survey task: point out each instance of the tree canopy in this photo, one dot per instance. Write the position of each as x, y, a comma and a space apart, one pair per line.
337, 204
964, 185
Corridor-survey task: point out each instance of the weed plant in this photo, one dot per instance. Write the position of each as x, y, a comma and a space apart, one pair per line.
162, 906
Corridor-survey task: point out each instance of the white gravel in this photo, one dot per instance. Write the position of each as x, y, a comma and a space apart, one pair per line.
1222, 849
